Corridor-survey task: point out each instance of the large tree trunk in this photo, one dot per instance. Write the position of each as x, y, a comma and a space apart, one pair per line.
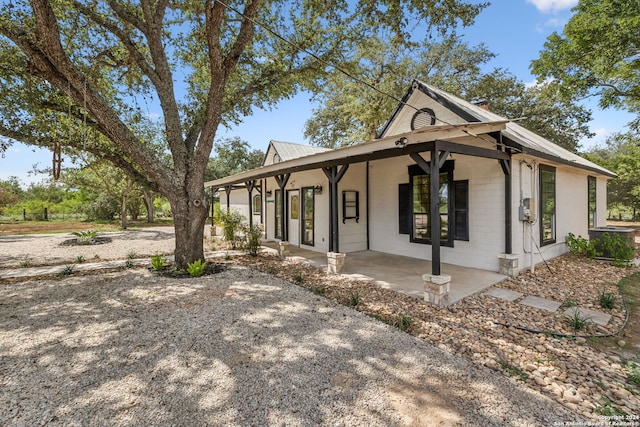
123, 212
189, 218
148, 197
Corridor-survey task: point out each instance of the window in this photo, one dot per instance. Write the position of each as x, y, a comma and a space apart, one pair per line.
420, 206
308, 209
547, 204
278, 215
591, 209
257, 204
461, 210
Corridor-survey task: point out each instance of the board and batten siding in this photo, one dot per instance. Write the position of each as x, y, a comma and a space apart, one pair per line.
238, 200
353, 235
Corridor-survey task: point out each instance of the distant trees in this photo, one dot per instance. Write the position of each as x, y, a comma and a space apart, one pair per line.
596, 55
621, 154
352, 113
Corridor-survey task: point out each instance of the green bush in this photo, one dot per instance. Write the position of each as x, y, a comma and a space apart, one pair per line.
252, 239
619, 249
196, 268
581, 246
231, 221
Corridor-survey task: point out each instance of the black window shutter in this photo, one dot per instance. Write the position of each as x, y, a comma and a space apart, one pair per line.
461, 209
404, 208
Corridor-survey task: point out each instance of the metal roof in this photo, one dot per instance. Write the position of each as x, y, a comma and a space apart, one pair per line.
290, 150
376, 149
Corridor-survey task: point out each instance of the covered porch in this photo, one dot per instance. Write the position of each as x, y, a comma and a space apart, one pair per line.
400, 273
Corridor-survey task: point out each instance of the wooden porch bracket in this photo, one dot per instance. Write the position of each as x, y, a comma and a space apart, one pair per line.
334, 175
251, 185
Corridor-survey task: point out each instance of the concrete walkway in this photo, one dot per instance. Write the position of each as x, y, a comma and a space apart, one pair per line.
401, 273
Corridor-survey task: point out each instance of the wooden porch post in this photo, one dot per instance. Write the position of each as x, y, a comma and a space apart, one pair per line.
227, 190
282, 180
433, 169
334, 175
250, 186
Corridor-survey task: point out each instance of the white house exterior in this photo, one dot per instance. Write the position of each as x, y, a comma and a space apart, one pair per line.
507, 197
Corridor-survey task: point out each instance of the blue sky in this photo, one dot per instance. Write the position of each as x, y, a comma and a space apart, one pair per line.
515, 30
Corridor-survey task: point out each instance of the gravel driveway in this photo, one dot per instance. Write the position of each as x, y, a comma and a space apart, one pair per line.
238, 348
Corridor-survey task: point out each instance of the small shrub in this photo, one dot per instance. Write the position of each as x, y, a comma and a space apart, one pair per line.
633, 372
607, 300
402, 321
298, 278
619, 249
581, 246
128, 263
85, 237
568, 303
227, 256
196, 268
607, 409
79, 259
354, 299
319, 290
132, 255
25, 263
158, 262
577, 321
231, 221
66, 271
513, 371
271, 270
253, 239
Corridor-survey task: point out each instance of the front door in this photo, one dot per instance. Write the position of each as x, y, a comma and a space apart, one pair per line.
294, 218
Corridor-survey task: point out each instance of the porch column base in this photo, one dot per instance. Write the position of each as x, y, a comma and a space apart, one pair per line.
436, 289
212, 231
335, 262
283, 249
508, 264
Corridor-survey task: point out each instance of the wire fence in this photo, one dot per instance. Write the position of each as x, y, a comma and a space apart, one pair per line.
44, 215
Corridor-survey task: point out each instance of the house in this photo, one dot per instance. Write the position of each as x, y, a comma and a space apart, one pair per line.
505, 198
246, 197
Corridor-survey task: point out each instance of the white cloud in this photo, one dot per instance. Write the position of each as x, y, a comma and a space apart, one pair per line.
547, 6
600, 133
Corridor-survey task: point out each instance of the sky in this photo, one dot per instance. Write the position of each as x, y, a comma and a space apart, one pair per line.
515, 30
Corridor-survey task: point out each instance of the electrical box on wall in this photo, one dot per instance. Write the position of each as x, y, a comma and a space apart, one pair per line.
527, 211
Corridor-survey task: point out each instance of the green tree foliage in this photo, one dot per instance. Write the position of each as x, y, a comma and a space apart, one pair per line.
351, 114
621, 154
91, 66
596, 54
232, 155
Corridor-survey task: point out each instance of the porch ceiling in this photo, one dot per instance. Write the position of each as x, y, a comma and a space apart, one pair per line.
416, 141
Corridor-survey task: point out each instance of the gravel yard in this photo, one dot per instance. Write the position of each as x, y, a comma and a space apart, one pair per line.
238, 348
245, 347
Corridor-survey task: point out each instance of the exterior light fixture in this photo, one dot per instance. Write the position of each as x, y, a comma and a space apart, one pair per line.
268, 193
317, 189
401, 142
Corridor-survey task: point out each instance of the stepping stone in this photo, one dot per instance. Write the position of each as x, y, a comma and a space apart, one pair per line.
541, 303
596, 317
507, 294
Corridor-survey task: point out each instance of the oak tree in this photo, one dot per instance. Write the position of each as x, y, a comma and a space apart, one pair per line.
97, 64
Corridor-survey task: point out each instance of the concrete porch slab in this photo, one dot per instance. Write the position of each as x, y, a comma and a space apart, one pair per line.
403, 274
505, 294
541, 303
596, 317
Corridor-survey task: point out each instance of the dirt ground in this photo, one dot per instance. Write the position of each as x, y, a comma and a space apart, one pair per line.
29, 227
